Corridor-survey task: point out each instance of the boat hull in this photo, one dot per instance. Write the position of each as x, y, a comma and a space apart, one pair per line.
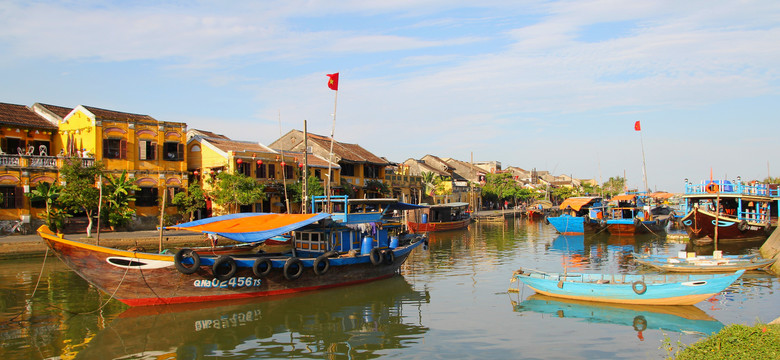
659, 289
629, 227
416, 227
701, 224
139, 279
574, 225
703, 264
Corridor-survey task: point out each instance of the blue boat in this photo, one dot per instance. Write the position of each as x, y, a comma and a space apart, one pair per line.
703, 263
580, 214
644, 289
681, 318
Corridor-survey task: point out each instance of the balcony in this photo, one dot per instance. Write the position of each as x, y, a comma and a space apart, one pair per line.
37, 162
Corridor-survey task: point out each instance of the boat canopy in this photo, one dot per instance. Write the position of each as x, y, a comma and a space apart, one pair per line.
577, 203
450, 205
405, 206
623, 197
250, 227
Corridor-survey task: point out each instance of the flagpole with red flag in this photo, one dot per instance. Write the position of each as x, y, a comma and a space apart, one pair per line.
638, 127
333, 84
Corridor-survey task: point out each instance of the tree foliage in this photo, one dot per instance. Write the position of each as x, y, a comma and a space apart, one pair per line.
48, 193
314, 188
234, 190
79, 193
190, 201
503, 187
614, 186
117, 197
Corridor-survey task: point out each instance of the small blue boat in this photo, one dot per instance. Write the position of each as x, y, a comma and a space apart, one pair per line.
580, 214
703, 263
683, 318
645, 289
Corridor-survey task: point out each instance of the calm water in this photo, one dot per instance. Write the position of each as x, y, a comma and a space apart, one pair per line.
451, 302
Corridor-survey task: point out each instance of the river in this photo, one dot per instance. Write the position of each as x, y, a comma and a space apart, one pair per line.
452, 301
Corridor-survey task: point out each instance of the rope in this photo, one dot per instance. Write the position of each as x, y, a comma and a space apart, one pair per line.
29, 301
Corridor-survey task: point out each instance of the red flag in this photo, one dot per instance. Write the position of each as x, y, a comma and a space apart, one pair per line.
333, 82
636, 126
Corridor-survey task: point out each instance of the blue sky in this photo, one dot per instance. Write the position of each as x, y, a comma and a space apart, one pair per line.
551, 85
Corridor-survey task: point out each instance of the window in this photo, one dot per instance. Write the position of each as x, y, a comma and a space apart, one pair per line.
173, 151
348, 169
146, 196
289, 172
147, 150
12, 197
260, 171
13, 146
172, 191
244, 168
46, 148
115, 148
372, 171
318, 174
271, 171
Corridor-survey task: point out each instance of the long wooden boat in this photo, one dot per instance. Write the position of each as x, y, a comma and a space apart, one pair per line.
680, 318
580, 215
673, 289
703, 263
741, 212
442, 217
328, 250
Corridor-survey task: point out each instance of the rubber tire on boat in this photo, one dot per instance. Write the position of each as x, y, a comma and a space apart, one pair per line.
389, 256
262, 261
639, 287
331, 254
637, 222
546, 221
177, 260
586, 219
742, 225
640, 323
375, 256
224, 260
321, 260
290, 264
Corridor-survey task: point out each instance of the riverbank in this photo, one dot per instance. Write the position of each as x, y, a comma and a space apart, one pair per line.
26, 246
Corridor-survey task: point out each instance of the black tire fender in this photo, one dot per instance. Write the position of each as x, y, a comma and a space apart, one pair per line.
222, 262
375, 256
262, 267
742, 225
389, 256
293, 264
639, 287
184, 269
321, 261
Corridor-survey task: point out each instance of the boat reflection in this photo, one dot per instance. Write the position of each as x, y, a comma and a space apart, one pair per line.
351, 321
687, 319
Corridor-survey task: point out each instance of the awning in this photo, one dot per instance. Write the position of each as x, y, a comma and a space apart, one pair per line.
405, 206
623, 197
661, 195
577, 203
250, 227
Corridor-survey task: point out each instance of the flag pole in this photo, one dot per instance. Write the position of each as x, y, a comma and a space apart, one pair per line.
333, 84
644, 165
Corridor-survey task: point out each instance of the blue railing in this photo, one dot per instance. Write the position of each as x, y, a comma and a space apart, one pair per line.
729, 187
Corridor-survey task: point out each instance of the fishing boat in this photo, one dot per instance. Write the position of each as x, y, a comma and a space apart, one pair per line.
579, 215
354, 244
539, 209
742, 211
703, 263
631, 214
680, 318
646, 289
441, 217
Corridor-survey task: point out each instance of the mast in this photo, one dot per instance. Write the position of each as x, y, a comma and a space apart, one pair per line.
305, 175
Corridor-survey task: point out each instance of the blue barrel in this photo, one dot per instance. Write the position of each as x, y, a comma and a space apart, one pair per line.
424, 219
394, 242
367, 245
382, 242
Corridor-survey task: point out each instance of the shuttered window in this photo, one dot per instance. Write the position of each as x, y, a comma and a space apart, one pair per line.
147, 150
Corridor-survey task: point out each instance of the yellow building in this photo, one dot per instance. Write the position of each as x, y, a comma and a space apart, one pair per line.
151, 151
25, 160
210, 154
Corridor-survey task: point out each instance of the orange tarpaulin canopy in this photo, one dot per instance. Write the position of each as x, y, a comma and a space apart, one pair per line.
624, 197
250, 227
576, 203
661, 195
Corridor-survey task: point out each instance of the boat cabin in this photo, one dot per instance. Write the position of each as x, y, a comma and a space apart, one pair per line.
751, 202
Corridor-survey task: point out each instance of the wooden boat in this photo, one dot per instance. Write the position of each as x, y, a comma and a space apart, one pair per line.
539, 209
329, 250
442, 217
634, 214
649, 289
742, 212
679, 318
580, 215
703, 263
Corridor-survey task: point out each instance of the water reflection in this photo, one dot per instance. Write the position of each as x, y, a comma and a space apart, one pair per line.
688, 319
347, 322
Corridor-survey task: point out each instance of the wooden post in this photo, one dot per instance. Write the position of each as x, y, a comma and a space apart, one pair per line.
162, 216
100, 202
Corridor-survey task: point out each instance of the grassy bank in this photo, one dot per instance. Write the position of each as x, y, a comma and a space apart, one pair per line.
735, 341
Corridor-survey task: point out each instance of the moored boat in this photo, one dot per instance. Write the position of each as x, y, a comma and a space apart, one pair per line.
355, 245
441, 217
703, 263
634, 214
579, 215
646, 289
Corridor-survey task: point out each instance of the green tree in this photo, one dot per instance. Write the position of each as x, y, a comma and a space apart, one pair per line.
48, 193
614, 186
429, 180
562, 193
378, 186
79, 192
314, 188
116, 193
191, 201
234, 190
503, 187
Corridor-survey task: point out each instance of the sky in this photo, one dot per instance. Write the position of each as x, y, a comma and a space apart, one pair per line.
546, 85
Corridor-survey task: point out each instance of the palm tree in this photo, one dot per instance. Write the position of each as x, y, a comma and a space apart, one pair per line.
48, 193
118, 199
429, 180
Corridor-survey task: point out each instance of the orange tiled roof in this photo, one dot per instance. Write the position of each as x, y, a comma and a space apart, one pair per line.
348, 152
20, 115
60, 111
118, 115
237, 146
